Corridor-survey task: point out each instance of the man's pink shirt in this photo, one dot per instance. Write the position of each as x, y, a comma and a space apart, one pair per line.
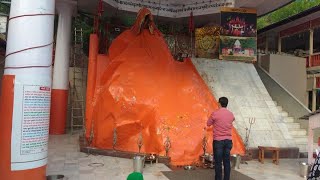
222, 124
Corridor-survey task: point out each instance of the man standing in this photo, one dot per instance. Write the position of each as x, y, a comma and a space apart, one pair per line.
222, 120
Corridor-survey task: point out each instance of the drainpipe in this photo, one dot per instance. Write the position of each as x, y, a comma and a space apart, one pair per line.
60, 84
26, 90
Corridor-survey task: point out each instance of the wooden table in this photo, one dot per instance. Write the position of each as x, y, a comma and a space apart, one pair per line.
275, 154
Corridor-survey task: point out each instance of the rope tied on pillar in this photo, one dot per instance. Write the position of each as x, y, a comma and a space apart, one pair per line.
29, 48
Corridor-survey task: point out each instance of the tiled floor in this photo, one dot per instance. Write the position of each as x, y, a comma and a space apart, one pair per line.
288, 169
65, 158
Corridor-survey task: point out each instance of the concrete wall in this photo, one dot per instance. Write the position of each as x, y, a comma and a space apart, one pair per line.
290, 72
264, 62
309, 84
294, 108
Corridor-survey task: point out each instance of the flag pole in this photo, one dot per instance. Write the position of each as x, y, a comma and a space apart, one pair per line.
191, 43
191, 28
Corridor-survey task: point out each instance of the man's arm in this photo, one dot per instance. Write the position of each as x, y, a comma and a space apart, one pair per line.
233, 117
210, 120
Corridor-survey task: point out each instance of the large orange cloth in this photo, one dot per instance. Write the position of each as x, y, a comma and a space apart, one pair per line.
140, 91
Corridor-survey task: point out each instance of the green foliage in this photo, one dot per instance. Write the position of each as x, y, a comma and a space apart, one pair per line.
86, 23
287, 11
5, 8
248, 43
227, 42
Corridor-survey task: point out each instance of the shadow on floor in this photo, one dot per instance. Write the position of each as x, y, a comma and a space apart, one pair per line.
203, 174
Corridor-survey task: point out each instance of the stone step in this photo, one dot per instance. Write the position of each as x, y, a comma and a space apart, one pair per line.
302, 147
275, 103
284, 114
298, 132
288, 119
293, 125
300, 139
279, 108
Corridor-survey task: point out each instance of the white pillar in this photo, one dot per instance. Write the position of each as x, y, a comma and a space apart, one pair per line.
267, 44
314, 123
25, 98
279, 44
311, 47
310, 140
60, 85
311, 42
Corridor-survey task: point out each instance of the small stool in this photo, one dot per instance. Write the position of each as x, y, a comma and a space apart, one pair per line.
275, 154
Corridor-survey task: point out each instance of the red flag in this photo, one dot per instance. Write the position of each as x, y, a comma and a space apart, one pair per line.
191, 23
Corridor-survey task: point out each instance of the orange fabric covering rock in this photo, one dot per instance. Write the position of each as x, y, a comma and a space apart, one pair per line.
139, 90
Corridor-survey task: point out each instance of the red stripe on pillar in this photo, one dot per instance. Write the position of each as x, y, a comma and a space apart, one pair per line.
58, 113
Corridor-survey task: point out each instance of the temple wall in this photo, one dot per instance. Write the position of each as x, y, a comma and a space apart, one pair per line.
289, 71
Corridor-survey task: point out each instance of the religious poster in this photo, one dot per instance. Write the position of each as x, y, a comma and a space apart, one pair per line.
238, 48
207, 42
238, 40
238, 22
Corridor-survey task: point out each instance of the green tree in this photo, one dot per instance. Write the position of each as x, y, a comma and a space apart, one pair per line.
248, 43
5, 8
85, 22
293, 8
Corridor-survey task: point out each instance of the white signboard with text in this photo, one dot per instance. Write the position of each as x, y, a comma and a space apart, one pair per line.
30, 123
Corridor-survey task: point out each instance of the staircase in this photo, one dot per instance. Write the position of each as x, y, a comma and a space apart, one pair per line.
299, 134
297, 128
249, 98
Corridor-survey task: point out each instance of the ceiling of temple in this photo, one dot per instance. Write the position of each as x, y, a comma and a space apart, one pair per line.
182, 8
262, 6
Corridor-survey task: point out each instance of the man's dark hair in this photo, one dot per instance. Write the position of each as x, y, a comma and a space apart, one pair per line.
223, 101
